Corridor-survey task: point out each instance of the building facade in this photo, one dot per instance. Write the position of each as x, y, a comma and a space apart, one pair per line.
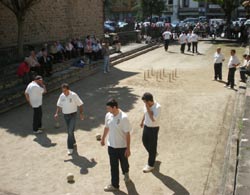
181, 9
53, 20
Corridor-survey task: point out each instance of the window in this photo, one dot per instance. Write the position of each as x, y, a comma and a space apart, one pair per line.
185, 3
170, 2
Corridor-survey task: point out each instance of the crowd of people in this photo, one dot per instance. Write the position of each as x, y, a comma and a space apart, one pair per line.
91, 49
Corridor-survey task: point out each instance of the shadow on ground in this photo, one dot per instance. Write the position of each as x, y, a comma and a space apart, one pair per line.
169, 182
83, 163
94, 90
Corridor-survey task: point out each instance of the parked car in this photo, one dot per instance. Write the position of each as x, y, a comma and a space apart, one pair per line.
247, 22
191, 20
122, 24
109, 26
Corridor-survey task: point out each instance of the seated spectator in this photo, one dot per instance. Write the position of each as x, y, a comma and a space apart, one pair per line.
23, 71
69, 50
46, 64
33, 63
245, 68
61, 53
80, 47
74, 51
97, 50
88, 48
117, 44
53, 52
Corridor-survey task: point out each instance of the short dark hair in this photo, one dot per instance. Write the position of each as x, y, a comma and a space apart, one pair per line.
147, 97
233, 50
65, 86
112, 103
38, 77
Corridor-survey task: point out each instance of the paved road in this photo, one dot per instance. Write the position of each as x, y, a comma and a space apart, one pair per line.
196, 117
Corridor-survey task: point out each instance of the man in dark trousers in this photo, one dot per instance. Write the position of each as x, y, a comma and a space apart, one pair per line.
34, 96
117, 127
218, 60
150, 124
232, 64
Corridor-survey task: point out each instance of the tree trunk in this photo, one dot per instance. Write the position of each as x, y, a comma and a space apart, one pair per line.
20, 37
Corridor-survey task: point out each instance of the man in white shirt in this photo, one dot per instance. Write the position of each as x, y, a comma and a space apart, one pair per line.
194, 40
68, 102
232, 64
218, 59
34, 96
189, 40
183, 41
118, 127
150, 124
166, 36
243, 68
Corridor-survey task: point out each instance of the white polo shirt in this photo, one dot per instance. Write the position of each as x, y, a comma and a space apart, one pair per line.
194, 37
156, 108
166, 35
35, 93
218, 58
69, 103
183, 38
233, 60
118, 126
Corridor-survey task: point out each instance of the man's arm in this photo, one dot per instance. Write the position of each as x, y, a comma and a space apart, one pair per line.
81, 112
27, 97
150, 113
105, 133
127, 151
142, 121
58, 109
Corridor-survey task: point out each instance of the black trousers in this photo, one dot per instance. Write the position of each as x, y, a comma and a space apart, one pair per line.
37, 118
149, 140
166, 43
116, 155
230, 77
195, 47
243, 72
183, 47
189, 46
218, 71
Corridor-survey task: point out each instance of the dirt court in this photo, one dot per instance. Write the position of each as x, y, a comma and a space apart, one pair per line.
196, 117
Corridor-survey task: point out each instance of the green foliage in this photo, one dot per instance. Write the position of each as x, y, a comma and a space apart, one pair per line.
147, 8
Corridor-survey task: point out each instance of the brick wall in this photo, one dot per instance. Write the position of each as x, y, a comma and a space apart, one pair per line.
53, 20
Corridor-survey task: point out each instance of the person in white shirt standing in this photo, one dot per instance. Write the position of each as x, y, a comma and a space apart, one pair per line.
150, 124
194, 39
117, 127
183, 41
166, 36
189, 40
218, 60
232, 64
68, 102
34, 96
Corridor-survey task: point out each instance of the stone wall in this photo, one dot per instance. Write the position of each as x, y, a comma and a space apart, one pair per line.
53, 20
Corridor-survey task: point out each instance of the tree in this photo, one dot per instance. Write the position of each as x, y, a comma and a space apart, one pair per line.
228, 6
148, 8
20, 9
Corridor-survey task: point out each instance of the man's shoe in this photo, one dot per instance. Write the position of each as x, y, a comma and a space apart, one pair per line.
70, 151
110, 188
147, 169
126, 178
225, 85
41, 128
37, 132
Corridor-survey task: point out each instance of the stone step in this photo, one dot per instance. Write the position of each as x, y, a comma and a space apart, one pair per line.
14, 96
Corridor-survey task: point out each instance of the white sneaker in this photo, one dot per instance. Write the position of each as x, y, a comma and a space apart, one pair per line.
37, 132
110, 188
70, 151
126, 178
147, 169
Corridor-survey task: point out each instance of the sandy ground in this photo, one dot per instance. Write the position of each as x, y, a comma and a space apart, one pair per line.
196, 116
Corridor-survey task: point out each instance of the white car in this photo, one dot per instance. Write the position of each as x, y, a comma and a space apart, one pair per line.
247, 23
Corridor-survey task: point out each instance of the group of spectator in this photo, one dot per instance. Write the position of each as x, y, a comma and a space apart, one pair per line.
41, 63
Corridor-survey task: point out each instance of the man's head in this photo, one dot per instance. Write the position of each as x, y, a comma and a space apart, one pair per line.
112, 106
218, 50
148, 98
65, 88
33, 53
38, 79
233, 52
